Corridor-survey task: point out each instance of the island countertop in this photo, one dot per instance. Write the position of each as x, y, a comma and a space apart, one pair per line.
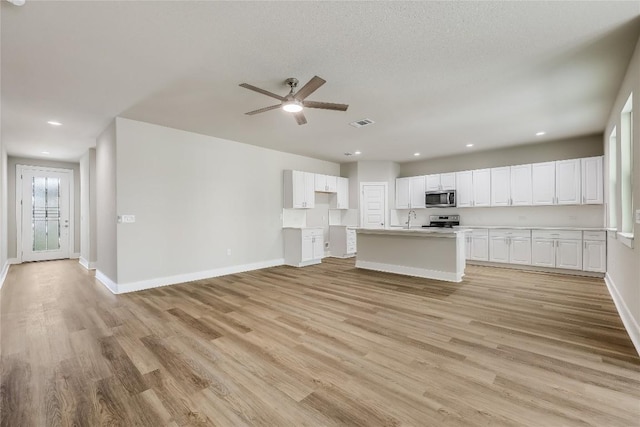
415, 232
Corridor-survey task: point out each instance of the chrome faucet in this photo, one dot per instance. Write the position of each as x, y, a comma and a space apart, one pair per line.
409, 218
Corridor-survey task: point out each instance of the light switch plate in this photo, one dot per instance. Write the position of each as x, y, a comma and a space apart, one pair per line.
637, 216
127, 219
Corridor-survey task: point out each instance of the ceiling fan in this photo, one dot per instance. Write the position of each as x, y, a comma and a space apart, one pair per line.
294, 102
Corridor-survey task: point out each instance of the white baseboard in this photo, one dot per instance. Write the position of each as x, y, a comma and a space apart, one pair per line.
410, 271
629, 322
190, 277
108, 283
528, 267
75, 255
86, 264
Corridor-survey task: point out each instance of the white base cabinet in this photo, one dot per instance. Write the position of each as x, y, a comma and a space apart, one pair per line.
342, 241
510, 246
557, 249
477, 245
303, 246
594, 251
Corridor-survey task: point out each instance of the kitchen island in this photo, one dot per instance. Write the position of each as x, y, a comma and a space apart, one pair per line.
421, 252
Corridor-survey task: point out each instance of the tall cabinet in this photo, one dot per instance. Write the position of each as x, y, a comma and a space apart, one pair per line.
299, 189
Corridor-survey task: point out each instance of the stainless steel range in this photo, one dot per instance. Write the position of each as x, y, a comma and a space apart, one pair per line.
443, 221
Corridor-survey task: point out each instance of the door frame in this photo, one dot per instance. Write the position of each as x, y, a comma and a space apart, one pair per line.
386, 201
20, 169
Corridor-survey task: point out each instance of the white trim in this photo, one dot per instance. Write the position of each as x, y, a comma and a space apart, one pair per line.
626, 239
3, 273
108, 283
410, 271
306, 263
20, 169
386, 201
629, 322
86, 264
183, 278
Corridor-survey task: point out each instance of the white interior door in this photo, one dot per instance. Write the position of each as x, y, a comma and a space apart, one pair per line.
45, 216
374, 205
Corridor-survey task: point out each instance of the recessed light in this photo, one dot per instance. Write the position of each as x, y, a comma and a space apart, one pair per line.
357, 152
469, 145
54, 123
45, 152
540, 133
416, 154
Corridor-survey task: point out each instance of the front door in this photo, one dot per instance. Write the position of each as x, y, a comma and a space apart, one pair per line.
374, 205
45, 213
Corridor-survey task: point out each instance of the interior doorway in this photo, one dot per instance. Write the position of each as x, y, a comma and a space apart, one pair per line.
44, 216
373, 205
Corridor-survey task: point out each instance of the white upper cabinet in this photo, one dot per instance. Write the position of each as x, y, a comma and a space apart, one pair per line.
448, 181
410, 192
440, 181
568, 182
403, 193
521, 185
299, 190
417, 192
341, 200
501, 186
482, 187
592, 181
464, 189
325, 183
543, 177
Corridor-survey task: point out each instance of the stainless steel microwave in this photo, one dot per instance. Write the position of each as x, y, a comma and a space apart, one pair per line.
440, 199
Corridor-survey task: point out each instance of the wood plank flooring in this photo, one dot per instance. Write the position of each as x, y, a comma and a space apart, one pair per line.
325, 345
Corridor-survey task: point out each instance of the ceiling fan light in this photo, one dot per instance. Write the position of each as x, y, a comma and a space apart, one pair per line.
294, 106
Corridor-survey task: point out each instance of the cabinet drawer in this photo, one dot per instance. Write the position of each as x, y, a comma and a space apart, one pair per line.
312, 232
594, 235
557, 234
478, 232
505, 232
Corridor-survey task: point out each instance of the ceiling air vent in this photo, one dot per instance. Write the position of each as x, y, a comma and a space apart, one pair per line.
361, 123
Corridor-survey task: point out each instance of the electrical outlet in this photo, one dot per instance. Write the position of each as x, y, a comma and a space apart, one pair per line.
228, 251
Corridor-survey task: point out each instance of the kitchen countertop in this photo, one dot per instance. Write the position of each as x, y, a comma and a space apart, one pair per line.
502, 227
417, 231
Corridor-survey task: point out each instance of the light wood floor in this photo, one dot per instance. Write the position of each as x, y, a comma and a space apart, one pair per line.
323, 345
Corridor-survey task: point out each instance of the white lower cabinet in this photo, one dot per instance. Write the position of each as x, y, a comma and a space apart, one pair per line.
557, 249
342, 241
594, 251
510, 246
477, 245
303, 246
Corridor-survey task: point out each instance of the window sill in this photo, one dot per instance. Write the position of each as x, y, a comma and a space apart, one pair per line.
626, 239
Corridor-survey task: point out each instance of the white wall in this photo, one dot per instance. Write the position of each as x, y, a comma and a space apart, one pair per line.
194, 197
88, 226
623, 262
107, 264
11, 199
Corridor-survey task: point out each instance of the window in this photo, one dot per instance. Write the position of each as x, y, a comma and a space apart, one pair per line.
626, 167
613, 180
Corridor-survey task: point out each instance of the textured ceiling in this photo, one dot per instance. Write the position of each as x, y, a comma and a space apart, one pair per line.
434, 76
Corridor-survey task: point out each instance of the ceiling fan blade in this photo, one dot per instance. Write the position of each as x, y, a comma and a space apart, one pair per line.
311, 86
325, 105
262, 110
262, 91
300, 118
